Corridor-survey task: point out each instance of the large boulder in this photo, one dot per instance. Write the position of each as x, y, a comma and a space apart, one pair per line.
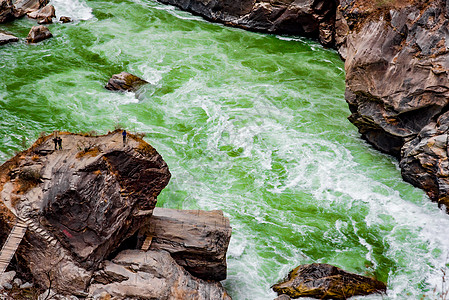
38, 34
45, 12
197, 240
135, 274
323, 281
6, 38
80, 203
125, 82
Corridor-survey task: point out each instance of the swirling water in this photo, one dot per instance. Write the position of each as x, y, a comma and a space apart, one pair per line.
252, 124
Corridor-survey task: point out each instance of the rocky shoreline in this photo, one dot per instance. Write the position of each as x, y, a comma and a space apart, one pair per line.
396, 63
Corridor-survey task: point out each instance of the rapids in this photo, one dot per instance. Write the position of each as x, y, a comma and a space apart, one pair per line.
252, 124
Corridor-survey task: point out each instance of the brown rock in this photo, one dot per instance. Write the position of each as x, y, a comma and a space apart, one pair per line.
47, 20
23, 7
83, 200
6, 38
38, 33
6, 11
65, 19
136, 274
125, 82
197, 240
45, 12
323, 281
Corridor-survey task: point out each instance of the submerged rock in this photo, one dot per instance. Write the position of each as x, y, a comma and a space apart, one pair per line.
38, 33
151, 275
65, 19
323, 281
6, 38
125, 82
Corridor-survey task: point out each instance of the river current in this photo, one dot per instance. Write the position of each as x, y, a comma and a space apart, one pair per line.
249, 123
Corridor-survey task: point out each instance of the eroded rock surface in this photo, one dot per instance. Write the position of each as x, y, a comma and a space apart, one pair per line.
312, 18
81, 202
152, 275
197, 240
6, 11
323, 281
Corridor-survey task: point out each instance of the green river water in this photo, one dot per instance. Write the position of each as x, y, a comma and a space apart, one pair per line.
252, 124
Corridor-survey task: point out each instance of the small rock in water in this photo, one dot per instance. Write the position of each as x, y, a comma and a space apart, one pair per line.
46, 20
38, 33
324, 281
6, 38
65, 19
125, 82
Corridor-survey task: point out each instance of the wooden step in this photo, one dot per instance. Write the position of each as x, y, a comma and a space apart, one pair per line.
12, 243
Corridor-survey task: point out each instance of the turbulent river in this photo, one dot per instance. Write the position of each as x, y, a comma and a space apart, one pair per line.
252, 124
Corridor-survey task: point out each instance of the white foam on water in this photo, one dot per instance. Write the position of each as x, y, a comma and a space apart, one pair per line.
75, 9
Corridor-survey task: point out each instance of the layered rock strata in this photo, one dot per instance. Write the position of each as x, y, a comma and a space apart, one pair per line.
197, 240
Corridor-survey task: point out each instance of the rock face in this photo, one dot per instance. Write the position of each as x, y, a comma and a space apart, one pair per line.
6, 38
197, 240
87, 198
45, 12
324, 281
38, 33
23, 7
6, 11
312, 18
125, 82
129, 274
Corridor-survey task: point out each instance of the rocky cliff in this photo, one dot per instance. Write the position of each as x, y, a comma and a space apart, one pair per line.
85, 199
396, 56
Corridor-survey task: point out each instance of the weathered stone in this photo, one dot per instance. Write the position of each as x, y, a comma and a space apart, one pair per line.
45, 12
6, 38
47, 20
7, 278
152, 275
197, 240
38, 33
323, 281
65, 19
6, 11
84, 201
301, 17
23, 7
125, 82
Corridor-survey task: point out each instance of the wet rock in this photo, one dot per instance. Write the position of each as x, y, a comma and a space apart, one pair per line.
125, 82
82, 204
6, 11
323, 281
65, 19
23, 7
6, 38
310, 18
47, 20
151, 275
197, 240
38, 33
45, 12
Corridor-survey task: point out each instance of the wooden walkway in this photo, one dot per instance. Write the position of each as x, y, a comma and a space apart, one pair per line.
11, 244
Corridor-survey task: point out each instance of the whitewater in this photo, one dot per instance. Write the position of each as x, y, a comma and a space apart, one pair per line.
251, 124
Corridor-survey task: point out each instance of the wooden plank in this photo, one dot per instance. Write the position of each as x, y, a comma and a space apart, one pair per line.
12, 243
